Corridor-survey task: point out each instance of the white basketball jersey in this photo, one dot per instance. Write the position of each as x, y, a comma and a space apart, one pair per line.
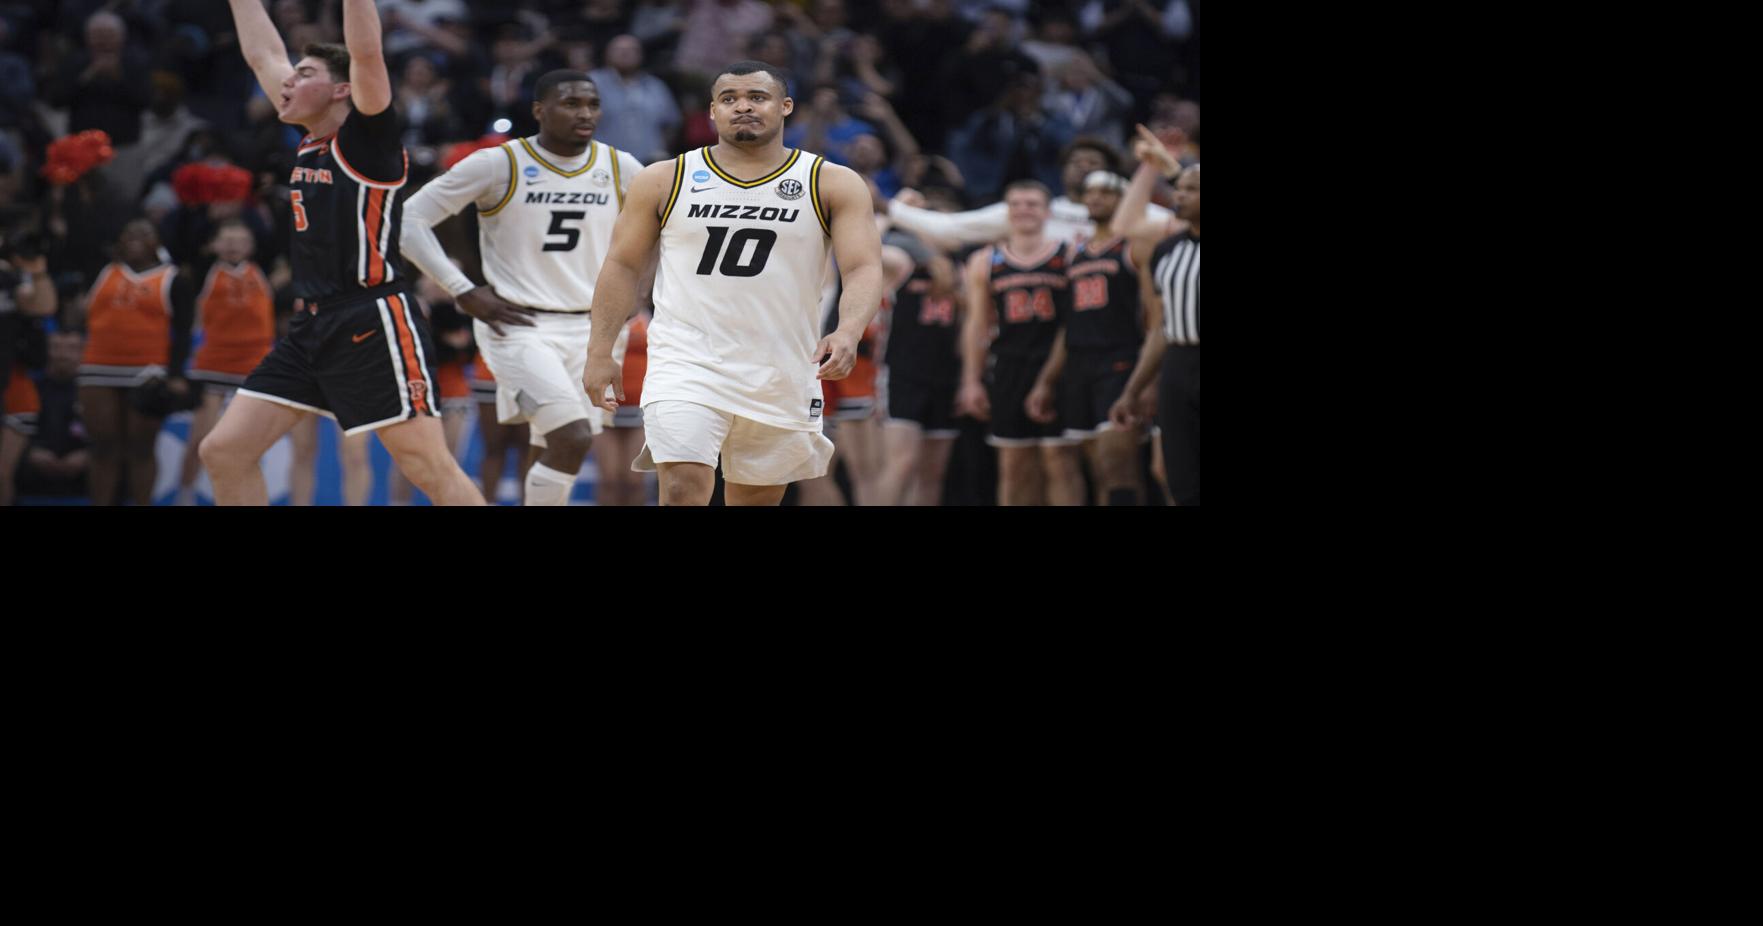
737, 294
555, 208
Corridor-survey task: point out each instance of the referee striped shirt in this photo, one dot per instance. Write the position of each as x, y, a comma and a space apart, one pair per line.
1175, 268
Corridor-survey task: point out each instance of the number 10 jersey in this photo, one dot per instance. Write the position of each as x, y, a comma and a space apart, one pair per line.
737, 293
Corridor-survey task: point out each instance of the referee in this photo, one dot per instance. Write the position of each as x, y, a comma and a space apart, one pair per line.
1170, 291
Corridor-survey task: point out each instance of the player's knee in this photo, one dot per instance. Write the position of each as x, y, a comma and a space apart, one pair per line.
220, 455
688, 485
571, 441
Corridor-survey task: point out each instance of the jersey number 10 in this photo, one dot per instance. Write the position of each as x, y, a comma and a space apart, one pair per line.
731, 265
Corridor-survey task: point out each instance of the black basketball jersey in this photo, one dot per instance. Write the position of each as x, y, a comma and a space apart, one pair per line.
1028, 294
1104, 298
921, 341
345, 197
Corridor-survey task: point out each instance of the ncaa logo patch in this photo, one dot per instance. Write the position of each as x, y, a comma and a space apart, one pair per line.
600, 177
700, 176
789, 189
531, 171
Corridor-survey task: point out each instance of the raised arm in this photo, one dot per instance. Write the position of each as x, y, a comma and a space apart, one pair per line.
369, 84
261, 45
857, 248
634, 238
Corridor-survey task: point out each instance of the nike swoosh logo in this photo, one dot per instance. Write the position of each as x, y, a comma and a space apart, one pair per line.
702, 189
361, 337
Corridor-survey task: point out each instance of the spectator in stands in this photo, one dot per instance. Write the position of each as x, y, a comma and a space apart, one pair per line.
637, 110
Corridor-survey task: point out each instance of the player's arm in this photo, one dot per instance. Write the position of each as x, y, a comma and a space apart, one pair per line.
1124, 412
1039, 403
483, 177
262, 46
615, 291
952, 228
1136, 215
976, 335
857, 248
369, 84
896, 267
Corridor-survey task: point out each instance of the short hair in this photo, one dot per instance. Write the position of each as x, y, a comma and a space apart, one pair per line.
1095, 144
231, 223
1035, 185
334, 56
551, 79
743, 68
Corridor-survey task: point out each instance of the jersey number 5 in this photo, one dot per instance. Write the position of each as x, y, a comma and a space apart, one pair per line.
731, 262
299, 210
571, 236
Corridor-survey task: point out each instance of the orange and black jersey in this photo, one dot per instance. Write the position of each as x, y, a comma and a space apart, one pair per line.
1029, 293
345, 195
1104, 298
922, 338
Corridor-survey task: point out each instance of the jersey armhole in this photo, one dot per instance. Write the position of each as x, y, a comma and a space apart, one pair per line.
512, 181
814, 195
679, 173
617, 185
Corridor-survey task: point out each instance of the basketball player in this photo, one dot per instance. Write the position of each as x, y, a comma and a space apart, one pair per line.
1019, 285
546, 207
356, 350
735, 366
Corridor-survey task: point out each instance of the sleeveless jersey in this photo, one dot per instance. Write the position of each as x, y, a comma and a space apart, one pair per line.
238, 319
345, 216
549, 209
737, 295
1104, 298
128, 317
922, 339
1028, 292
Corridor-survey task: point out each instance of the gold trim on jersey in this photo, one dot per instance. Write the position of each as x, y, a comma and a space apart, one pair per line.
679, 173
513, 181
749, 184
617, 187
593, 152
814, 195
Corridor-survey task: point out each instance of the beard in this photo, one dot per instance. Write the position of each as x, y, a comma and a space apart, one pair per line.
746, 135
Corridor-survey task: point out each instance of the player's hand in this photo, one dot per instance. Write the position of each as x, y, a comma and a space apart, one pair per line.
1150, 149
837, 355
484, 305
909, 197
1121, 413
603, 374
972, 401
1039, 403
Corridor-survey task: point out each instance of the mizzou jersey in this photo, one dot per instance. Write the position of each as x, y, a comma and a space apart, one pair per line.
129, 317
1029, 293
553, 205
923, 335
737, 295
1104, 298
344, 193
237, 313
